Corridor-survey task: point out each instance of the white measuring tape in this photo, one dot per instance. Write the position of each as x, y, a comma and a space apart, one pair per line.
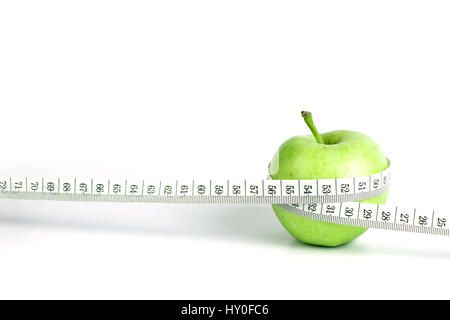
329, 200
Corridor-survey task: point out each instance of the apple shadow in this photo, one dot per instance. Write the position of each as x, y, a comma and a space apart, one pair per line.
217, 222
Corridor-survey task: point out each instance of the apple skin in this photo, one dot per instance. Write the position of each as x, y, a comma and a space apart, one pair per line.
344, 154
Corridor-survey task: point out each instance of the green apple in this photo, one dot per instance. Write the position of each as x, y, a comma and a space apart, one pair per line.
336, 154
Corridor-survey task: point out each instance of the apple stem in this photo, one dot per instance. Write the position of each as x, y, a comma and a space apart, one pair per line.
307, 116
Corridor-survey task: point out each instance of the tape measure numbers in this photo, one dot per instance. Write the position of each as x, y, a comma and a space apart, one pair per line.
329, 200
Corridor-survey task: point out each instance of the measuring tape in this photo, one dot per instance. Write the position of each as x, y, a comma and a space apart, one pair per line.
328, 200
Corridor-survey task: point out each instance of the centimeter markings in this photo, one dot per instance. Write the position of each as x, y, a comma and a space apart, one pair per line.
243, 191
374, 216
329, 200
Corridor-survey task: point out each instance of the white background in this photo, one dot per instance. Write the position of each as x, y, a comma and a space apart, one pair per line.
211, 89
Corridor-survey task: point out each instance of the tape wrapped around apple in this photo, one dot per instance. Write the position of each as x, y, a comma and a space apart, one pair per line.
335, 154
